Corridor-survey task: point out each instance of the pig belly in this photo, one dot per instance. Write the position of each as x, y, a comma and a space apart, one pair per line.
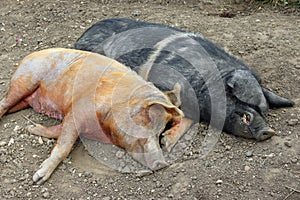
43, 104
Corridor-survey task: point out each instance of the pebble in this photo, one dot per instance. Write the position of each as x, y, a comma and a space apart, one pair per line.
249, 153
17, 128
247, 168
3, 143
11, 141
41, 140
294, 160
293, 122
7, 125
46, 195
227, 147
120, 154
188, 137
136, 13
288, 144
170, 195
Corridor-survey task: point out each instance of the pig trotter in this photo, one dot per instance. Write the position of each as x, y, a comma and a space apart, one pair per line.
3, 109
45, 171
63, 147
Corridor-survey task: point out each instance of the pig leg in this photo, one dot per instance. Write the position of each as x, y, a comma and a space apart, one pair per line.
149, 153
20, 88
171, 136
48, 132
61, 150
20, 106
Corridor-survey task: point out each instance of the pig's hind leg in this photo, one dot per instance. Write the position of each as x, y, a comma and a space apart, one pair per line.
61, 150
20, 106
20, 88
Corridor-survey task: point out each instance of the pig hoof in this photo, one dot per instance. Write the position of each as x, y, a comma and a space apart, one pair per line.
30, 128
34, 129
45, 171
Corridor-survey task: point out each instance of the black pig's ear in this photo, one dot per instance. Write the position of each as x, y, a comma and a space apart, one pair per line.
276, 101
246, 88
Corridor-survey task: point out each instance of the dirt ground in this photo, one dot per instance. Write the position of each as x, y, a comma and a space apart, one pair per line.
266, 38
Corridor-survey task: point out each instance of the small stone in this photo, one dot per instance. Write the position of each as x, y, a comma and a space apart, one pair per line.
272, 114
41, 140
46, 195
294, 160
7, 125
247, 168
11, 141
219, 182
288, 144
293, 122
136, 13
227, 147
17, 128
249, 153
188, 137
3, 143
120, 154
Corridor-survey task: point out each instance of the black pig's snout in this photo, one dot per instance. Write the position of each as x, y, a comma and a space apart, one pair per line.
265, 134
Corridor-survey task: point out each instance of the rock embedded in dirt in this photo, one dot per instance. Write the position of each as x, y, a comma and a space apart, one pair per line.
228, 147
120, 154
293, 122
294, 160
2, 143
288, 144
249, 153
247, 168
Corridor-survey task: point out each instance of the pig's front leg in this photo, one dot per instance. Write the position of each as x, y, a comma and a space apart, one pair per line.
178, 129
48, 132
61, 150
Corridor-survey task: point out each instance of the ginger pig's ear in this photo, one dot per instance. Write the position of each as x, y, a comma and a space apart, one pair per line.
174, 95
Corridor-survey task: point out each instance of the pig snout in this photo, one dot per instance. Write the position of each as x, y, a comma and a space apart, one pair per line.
151, 154
153, 160
264, 134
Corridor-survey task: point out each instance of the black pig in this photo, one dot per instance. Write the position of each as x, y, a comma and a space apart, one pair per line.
215, 87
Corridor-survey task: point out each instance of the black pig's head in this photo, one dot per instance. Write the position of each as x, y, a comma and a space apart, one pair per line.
247, 104
246, 122
247, 107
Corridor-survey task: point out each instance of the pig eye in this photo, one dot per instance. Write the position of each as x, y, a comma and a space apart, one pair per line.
246, 119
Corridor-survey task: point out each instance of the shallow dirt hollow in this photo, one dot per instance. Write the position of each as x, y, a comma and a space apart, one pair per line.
266, 39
